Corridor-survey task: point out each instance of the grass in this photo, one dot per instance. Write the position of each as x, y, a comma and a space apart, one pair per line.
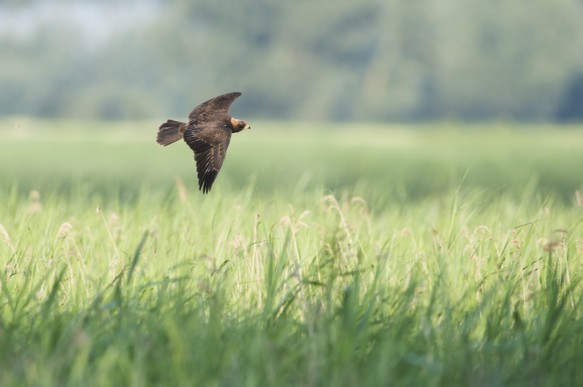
357, 255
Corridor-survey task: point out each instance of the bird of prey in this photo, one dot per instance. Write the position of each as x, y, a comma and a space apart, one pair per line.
207, 133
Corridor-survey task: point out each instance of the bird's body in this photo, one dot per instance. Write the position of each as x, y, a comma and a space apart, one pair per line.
207, 133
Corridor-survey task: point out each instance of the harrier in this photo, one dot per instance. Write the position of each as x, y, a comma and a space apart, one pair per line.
207, 133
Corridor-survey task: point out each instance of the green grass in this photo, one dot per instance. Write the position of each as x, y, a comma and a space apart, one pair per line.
324, 256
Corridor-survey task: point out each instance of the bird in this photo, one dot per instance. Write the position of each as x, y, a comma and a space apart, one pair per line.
208, 133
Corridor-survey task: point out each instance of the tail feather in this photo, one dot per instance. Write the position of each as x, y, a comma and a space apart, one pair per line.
170, 132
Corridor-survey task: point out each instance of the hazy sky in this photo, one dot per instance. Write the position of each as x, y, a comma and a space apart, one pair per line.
96, 21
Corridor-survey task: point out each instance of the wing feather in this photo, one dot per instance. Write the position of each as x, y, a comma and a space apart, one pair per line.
209, 144
215, 107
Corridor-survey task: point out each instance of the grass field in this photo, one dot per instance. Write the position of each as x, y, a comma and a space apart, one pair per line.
348, 255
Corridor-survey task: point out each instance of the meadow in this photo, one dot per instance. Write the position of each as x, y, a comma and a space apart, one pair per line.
325, 255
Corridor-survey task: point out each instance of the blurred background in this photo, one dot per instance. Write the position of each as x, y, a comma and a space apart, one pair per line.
386, 99
350, 60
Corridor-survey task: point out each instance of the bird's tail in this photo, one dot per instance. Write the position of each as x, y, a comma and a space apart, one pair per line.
170, 132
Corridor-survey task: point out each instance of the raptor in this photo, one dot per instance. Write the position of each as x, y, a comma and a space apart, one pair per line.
208, 133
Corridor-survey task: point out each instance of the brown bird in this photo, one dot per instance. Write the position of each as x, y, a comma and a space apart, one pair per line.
207, 133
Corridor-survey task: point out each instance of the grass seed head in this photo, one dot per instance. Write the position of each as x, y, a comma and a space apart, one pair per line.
34, 196
64, 230
552, 246
35, 203
182, 191
5, 237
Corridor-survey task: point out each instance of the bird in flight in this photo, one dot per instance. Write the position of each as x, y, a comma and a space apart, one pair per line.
207, 133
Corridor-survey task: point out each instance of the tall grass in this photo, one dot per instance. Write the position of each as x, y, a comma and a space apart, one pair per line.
307, 284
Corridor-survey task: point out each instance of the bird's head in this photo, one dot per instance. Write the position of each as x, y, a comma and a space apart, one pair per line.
239, 125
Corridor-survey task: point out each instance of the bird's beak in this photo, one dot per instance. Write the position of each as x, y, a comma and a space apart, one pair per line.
247, 126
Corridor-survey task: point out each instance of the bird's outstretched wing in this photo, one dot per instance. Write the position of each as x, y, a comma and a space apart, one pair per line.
215, 108
209, 144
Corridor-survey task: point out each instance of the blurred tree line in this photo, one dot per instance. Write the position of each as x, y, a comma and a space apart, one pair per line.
305, 59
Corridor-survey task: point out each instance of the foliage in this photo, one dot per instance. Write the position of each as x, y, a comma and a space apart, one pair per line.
152, 283
373, 61
570, 107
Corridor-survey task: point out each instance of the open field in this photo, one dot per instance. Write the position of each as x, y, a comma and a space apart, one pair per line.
350, 255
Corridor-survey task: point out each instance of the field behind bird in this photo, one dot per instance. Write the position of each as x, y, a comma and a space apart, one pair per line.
325, 255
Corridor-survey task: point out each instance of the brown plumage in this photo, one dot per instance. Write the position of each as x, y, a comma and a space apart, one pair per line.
207, 133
